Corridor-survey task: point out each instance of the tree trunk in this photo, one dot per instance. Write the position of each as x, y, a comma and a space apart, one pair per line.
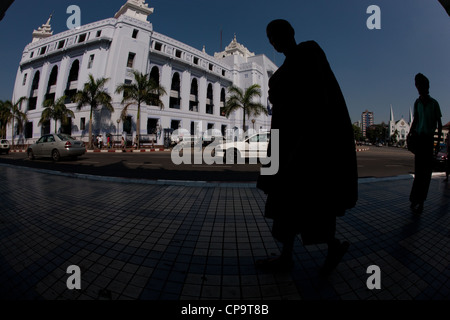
12, 133
138, 126
90, 130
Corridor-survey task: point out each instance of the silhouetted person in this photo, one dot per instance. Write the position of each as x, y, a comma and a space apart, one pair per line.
303, 197
427, 117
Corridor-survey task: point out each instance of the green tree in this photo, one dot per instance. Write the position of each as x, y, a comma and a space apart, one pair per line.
244, 100
3, 112
56, 110
11, 113
142, 90
357, 132
94, 95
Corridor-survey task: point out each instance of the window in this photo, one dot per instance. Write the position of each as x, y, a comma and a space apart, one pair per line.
32, 100
193, 99
74, 70
45, 128
43, 50
24, 81
158, 46
125, 92
195, 60
152, 126
83, 124
61, 44
99, 33
82, 38
31, 54
135, 33
178, 53
175, 88
29, 130
130, 60
91, 61
210, 67
209, 100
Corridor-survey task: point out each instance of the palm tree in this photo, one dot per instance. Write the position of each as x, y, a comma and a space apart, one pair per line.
240, 99
56, 110
11, 112
95, 95
142, 90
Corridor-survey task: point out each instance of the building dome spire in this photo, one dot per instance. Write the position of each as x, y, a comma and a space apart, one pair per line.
43, 31
137, 9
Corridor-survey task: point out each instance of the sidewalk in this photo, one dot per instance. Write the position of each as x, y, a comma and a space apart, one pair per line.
165, 241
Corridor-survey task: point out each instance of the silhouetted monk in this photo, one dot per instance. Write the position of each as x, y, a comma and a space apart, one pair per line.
317, 178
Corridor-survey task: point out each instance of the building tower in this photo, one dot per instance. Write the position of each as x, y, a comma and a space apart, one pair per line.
366, 121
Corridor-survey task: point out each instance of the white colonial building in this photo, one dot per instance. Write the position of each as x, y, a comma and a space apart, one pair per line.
196, 83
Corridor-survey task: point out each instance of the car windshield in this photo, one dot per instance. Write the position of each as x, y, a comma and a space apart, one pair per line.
65, 137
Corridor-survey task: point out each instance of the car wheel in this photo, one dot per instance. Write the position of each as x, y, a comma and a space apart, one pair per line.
55, 155
30, 155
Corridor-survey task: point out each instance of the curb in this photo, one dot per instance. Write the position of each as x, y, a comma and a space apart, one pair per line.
110, 151
191, 183
127, 150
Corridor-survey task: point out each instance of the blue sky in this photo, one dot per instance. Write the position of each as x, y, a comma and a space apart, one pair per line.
375, 68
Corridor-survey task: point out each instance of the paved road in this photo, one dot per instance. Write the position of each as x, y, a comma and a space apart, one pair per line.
381, 162
376, 162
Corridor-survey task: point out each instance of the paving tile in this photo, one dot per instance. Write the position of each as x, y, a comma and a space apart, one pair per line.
189, 242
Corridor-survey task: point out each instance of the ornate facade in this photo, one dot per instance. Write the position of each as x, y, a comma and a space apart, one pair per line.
196, 83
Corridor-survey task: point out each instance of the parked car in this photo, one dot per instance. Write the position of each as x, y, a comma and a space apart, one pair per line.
4, 146
254, 146
56, 146
440, 159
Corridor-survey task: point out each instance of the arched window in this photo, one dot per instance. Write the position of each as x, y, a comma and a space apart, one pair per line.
209, 100
72, 81
32, 100
193, 99
74, 70
222, 101
51, 88
154, 74
175, 87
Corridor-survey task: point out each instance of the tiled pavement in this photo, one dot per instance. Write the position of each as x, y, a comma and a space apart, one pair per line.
160, 241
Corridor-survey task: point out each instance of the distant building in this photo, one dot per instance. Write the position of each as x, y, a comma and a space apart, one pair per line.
398, 130
367, 120
53, 65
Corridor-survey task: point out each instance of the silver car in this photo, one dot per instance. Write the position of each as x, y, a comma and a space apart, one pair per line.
56, 146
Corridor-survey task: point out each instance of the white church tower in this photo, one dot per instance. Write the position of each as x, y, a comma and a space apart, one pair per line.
398, 130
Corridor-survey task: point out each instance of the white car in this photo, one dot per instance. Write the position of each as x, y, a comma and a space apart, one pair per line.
4, 146
253, 147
